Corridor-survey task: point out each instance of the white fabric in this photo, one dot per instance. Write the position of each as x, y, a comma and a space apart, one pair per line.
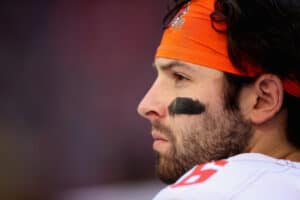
248, 176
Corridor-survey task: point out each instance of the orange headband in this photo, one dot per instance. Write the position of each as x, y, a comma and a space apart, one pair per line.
191, 38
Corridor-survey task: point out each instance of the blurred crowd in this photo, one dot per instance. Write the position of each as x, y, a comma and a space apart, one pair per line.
72, 74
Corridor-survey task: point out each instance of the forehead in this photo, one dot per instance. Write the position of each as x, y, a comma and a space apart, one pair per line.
162, 64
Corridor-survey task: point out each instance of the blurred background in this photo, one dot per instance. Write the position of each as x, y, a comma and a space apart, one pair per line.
72, 74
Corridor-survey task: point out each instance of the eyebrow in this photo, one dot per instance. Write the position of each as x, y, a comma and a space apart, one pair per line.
170, 65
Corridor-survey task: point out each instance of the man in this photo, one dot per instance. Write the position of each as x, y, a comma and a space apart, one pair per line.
223, 107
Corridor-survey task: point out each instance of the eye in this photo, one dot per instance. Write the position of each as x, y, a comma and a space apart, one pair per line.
179, 77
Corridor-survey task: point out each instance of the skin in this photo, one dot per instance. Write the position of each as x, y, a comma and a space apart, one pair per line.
184, 139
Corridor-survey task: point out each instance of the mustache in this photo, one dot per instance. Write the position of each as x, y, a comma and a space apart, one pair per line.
163, 129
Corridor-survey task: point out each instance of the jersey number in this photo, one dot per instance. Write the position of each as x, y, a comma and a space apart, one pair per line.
200, 174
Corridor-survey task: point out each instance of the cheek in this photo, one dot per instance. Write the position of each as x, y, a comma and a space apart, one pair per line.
176, 125
185, 106
185, 129
209, 93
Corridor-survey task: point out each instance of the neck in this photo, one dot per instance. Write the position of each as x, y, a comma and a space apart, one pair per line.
270, 139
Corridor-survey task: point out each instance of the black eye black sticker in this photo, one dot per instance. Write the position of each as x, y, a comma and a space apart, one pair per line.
186, 106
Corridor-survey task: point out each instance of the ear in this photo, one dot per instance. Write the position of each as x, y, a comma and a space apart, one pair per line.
268, 98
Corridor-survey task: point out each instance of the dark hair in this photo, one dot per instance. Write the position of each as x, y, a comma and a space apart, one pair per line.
264, 33
173, 7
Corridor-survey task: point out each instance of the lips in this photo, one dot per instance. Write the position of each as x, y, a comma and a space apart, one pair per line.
160, 143
158, 136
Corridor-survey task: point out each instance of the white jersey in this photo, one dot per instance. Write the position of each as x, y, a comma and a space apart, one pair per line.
248, 176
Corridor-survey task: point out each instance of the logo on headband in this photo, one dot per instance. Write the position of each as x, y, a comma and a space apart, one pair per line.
178, 20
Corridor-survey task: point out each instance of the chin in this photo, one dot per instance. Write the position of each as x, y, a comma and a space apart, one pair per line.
167, 170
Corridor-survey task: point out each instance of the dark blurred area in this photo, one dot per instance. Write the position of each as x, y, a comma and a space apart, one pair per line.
72, 74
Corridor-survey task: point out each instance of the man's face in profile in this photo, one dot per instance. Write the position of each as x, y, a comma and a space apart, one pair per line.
190, 124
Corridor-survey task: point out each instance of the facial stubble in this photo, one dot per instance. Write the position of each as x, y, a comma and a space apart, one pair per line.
209, 136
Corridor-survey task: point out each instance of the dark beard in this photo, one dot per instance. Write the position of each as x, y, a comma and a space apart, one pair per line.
170, 168
224, 136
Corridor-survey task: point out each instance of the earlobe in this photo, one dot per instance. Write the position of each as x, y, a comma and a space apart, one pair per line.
269, 93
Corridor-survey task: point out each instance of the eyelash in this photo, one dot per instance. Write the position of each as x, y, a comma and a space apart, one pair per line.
179, 77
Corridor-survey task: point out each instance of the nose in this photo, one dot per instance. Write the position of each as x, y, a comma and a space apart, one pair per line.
153, 105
